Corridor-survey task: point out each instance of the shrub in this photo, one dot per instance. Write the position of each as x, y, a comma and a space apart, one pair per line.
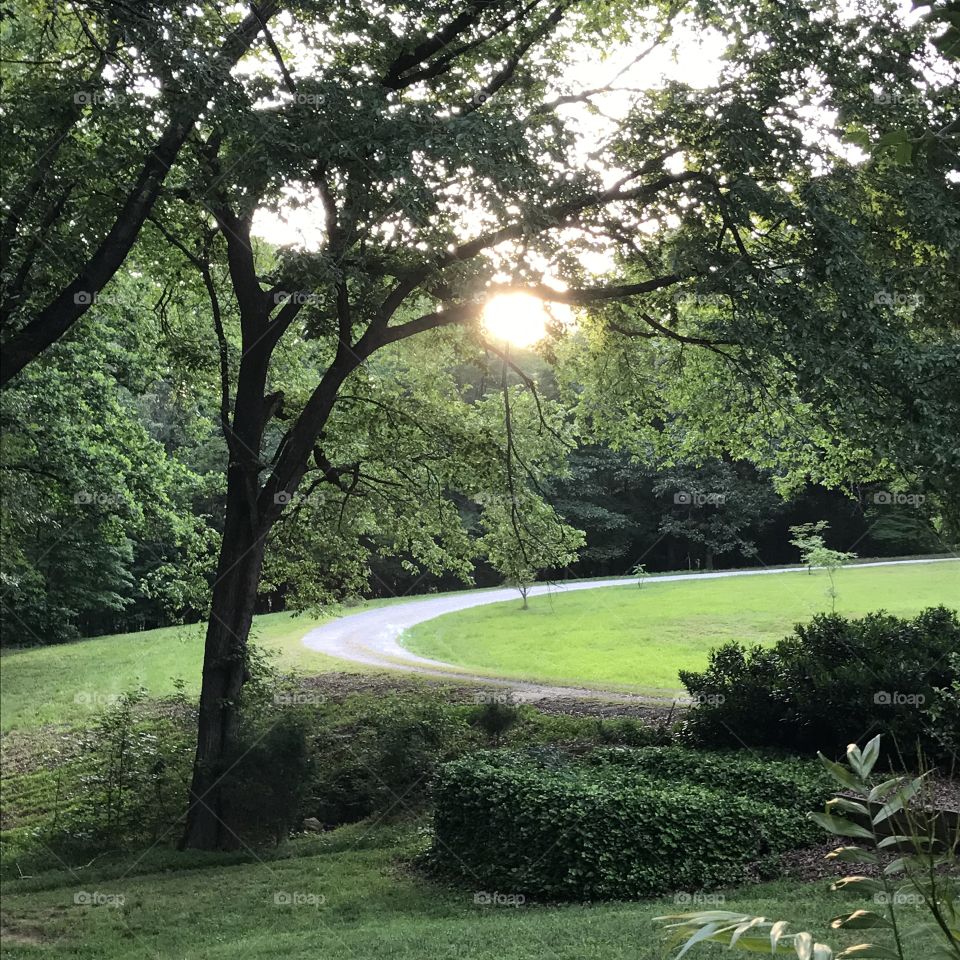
495, 718
573, 830
268, 777
833, 674
381, 755
899, 810
128, 785
792, 784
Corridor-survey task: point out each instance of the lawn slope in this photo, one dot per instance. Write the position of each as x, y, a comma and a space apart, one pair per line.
637, 639
349, 897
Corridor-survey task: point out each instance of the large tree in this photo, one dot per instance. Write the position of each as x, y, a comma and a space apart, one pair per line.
447, 155
99, 100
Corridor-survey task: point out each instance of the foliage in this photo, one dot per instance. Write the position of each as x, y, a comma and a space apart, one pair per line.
792, 784
102, 526
494, 717
814, 552
718, 507
380, 755
924, 873
562, 831
127, 787
878, 671
434, 146
524, 538
943, 711
268, 778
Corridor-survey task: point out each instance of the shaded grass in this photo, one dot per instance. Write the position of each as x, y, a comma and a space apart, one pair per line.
193, 906
638, 639
70, 682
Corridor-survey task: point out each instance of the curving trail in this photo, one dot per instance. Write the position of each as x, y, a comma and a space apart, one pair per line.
373, 637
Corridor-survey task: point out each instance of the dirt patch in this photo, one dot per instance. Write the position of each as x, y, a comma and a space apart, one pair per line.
22, 936
338, 686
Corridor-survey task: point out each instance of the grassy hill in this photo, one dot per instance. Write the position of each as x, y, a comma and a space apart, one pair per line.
637, 639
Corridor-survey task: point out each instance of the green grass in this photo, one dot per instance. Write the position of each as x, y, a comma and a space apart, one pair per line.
630, 639
212, 907
71, 681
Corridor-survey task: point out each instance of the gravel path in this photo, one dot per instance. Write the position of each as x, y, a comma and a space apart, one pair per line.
373, 637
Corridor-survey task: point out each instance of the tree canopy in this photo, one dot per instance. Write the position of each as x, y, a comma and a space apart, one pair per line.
732, 279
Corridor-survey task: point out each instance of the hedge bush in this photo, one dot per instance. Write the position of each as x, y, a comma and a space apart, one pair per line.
799, 785
598, 831
877, 673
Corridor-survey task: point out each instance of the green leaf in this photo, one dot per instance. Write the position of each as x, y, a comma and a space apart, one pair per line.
859, 920
855, 759
842, 775
840, 826
892, 138
850, 806
860, 884
868, 951
704, 933
883, 789
903, 153
894, 840
852, 855
871, 753
896, 804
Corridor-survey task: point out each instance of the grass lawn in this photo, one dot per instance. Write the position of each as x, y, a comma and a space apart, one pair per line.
71, 681
204, 907
625, 638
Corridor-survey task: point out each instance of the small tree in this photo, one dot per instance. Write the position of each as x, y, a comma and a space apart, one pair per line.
814, 552
525, 537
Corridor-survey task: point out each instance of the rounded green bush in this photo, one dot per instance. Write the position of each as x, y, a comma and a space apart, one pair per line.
601, 830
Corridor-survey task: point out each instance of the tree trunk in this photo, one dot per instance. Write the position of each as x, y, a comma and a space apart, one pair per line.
209, 822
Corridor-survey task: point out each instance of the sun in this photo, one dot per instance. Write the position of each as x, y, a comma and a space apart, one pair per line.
519, 319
